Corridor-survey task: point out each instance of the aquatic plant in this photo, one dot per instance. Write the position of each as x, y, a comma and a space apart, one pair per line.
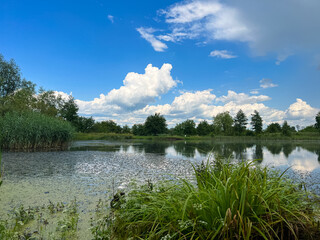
225, 201
31, 223
31, 130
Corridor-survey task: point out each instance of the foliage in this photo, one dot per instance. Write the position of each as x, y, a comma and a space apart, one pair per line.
126, 129
155, 125
31, 223
256, 122
286, 129
317, 125
204, 128
222, 123
10, 78
69, 110
106, 127
229, 201
240, 122
83, 124
187, 128
309, 129
31, 130
138, 129
273, 128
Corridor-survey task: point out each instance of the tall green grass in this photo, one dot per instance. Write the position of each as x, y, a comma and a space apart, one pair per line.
31, 130
226, 201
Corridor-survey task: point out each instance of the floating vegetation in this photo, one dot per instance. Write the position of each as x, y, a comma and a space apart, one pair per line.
58, 221
226, 201
32, 131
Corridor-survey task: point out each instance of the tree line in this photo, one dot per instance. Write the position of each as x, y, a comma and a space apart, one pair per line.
19, 95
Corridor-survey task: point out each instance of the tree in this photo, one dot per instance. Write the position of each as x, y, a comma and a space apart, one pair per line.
69, 110
155, 124
138, 129
273, 128
187, 127
222, 123
84, 124
240, 122
317, 125
204, 128
286, 129
256, 122
125, 129
10, 77
108, 126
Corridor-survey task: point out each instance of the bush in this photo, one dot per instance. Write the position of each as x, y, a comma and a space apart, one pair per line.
228, 201
31, 130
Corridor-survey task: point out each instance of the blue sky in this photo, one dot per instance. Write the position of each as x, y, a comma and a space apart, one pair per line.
124, 60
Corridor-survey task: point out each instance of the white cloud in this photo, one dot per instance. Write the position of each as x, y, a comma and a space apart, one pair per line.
242, 98
267, 83
280, 27
63, 95
200, 105
254, 92
137, 91
147, 34
222, 54
111, 18
301, 110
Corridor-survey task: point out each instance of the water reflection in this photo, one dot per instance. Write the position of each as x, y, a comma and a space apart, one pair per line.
300, 156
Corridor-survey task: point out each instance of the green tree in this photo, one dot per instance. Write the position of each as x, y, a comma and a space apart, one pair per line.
256, 122
10, 77
138, 129
108, 126
240, 122
48, 103
69, 110
222, 123
204, 128
286, 129
317, 125
84, 124
187, 128
125, 129
273, 128
155, 124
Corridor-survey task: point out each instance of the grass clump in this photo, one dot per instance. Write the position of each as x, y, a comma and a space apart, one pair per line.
224, 201
32, 131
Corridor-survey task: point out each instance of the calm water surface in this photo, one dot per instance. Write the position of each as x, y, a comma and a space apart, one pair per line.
93, 169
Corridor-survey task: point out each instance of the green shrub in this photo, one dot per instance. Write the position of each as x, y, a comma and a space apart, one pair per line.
225, 201
31, 130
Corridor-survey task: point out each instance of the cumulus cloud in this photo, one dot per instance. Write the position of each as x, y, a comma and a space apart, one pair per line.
147, 34
222, 54
63, 95
200, 105
242, 98
267, 83
301, 110
137, 91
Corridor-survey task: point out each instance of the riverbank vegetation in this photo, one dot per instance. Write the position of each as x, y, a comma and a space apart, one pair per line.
32, 131
30, 119
226, 201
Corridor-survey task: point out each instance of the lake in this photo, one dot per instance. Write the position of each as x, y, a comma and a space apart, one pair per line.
91, 170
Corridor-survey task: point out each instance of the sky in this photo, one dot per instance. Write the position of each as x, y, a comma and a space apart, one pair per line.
125, 60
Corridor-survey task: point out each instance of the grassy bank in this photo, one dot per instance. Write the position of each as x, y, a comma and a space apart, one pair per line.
33, 131
225, 202
276, 137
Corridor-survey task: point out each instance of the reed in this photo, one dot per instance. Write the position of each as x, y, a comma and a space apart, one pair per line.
32, 131
224, 201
